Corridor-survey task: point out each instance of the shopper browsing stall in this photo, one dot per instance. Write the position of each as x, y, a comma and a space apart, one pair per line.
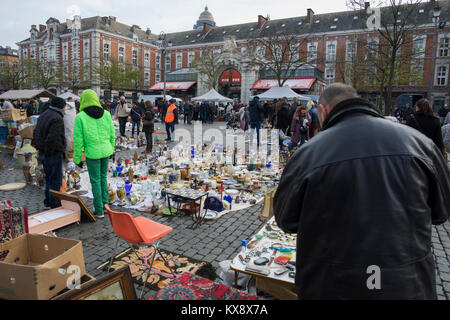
50, 141
94, 134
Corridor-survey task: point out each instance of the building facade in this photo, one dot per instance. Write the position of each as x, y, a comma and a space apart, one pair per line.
328, 44
9, 66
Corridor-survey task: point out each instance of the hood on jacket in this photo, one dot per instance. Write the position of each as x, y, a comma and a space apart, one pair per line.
89, 99
94, 112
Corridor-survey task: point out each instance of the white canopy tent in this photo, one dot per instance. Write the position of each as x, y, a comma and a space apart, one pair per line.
26, 94
212, 95
281, 92
67, 95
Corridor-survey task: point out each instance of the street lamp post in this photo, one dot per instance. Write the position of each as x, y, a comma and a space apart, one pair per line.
163, 45
436, 14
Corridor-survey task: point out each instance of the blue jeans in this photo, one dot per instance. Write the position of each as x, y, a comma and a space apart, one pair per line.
53, 177
255, 125
170, 127
138, 124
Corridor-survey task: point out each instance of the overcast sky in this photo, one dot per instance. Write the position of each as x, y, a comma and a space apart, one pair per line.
161, 15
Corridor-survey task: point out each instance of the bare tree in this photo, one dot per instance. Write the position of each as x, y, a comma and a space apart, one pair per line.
207, 65
281, 51
388, 60
12, 76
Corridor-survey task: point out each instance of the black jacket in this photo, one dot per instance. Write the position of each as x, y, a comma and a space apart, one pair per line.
49, 135
429, 126
148, 120
136, 113
283, 118
364, 192
256, 111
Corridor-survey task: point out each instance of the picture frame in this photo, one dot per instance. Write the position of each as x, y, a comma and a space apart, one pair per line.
86, 214
117, 285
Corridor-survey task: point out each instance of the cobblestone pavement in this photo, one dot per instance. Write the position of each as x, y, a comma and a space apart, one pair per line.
214, 241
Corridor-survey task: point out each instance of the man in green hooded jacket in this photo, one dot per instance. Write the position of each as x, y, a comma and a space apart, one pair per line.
94, 134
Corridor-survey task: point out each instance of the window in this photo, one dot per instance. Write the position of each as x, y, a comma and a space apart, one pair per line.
74, 50
294, 53
244, 50
179, 60
217, 52
15, 65
277, 52
443, 47
350, 52
135, 57
65, 72
372, 48
2, 63
441, 75
106, 51
147, 78
51, 53
41, 53
329, 74
312, 52
191, 58
416, 73
32, 53
86, 49
147, 59
419, 47
158, 62
168, 62
331, 51
158, 76
65, 52
261, 51
121, 54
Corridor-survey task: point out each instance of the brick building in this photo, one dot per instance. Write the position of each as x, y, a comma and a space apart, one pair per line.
332, 41
9, 62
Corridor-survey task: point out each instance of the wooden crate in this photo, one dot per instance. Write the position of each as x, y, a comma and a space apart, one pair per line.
13, 115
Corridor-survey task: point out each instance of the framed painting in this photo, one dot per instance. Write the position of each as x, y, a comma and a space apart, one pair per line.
117, 285
85, 212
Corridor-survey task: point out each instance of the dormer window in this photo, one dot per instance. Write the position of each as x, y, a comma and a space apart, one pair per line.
283, 25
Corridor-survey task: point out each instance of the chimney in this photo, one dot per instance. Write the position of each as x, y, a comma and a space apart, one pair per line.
366, 5
135, 27
105, 20
309, 15
42, 28
206, 28
148, 32
111, 18
261, 21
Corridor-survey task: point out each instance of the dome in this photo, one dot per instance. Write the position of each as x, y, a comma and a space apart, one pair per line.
206, 15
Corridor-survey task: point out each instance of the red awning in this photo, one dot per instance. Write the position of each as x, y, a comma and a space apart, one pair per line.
225, 77
291, 83
182, 85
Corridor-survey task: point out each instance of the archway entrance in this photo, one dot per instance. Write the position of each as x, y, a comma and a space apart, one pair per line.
230, 83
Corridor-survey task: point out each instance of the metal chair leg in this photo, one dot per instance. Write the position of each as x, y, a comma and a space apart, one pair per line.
114, 253
148, 272
164, 259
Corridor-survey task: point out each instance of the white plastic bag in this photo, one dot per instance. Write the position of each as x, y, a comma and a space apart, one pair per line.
227, 275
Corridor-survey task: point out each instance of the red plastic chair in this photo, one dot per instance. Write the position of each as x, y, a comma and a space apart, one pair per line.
137, 231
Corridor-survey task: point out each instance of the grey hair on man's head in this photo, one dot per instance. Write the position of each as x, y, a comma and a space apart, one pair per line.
337, 92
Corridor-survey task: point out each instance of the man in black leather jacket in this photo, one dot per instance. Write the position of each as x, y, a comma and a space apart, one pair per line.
362, 197
50, 140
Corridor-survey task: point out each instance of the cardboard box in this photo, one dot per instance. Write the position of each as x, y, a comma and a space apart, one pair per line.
36, 266
13, 115
27, 133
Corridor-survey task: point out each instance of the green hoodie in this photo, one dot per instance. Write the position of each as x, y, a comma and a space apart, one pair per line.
93, 131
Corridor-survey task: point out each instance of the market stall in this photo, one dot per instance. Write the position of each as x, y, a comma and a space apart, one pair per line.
270, 257
213, 96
